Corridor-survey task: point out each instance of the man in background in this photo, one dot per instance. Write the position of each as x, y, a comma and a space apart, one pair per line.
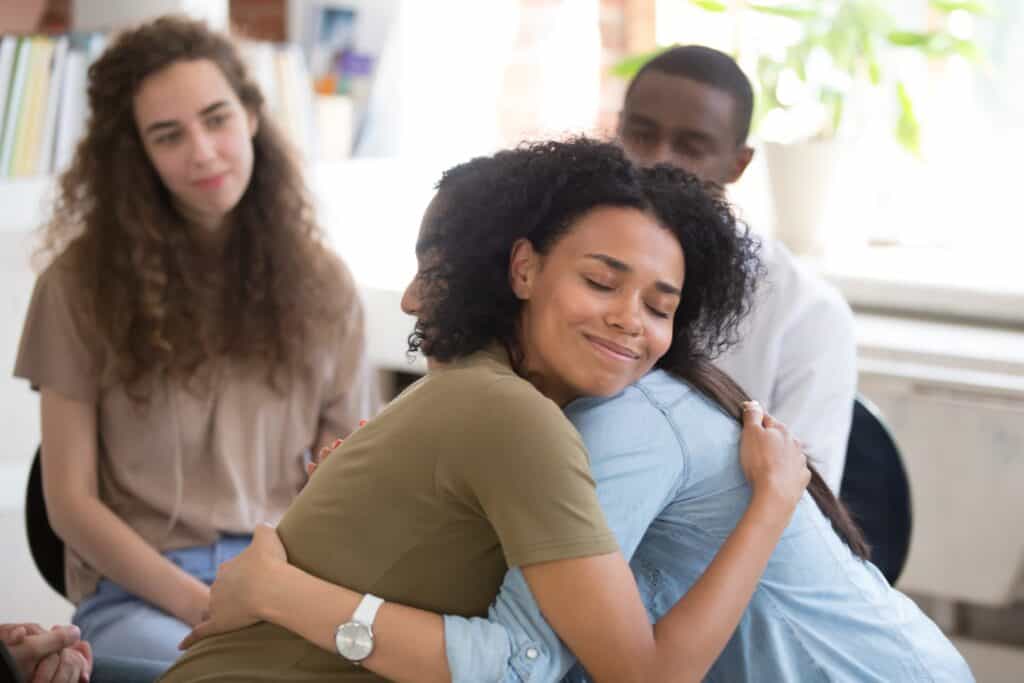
691, 106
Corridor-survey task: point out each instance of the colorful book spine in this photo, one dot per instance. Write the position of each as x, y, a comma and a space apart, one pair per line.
15, 99
44, 161
72, 109
31, 136
8, 49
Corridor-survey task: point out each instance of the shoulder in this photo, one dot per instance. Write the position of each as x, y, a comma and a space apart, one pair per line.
340, 308
337, 278
336, 268
61, 289
63, 272
787, 275
640, 417
796, 294
512, 404
502, 412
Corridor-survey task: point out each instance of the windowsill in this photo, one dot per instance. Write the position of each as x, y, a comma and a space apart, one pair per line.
929, 282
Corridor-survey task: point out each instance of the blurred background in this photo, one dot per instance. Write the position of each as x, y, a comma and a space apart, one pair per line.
887, 136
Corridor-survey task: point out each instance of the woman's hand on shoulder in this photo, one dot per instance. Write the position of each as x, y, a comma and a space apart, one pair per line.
326, 451
242, 588
773, 460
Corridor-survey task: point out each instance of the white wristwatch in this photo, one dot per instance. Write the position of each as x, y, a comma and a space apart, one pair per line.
354, 638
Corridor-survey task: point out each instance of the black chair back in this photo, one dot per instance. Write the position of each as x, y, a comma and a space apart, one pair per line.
46, 547
876, 490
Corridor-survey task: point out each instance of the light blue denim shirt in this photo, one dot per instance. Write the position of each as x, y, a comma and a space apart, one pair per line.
668, 476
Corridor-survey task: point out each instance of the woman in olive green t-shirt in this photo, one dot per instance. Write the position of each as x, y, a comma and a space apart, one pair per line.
557, 267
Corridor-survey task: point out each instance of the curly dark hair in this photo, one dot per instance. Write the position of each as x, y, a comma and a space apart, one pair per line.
536, 191
142, 279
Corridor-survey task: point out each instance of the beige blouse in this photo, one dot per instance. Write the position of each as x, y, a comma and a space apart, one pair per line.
189, 465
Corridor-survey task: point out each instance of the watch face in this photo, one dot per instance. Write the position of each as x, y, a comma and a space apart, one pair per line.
354, 641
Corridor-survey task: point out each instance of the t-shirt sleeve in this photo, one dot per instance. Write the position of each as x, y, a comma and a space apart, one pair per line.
525, 469
57, 348
351, 393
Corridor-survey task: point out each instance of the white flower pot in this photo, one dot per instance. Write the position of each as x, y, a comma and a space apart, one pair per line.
801, 180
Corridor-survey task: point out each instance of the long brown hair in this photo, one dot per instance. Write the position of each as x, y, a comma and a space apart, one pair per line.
720, 388
142, 279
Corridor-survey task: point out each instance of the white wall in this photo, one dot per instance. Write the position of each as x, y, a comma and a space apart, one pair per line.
102, 15
24, 595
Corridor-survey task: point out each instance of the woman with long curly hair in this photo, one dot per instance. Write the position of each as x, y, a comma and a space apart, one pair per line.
559, 255
475, 468
192, 337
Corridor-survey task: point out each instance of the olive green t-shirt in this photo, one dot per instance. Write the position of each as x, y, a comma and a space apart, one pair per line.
468, 472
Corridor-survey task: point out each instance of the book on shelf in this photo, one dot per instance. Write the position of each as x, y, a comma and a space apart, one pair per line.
8, 49
344, 41
26, 149
58, 73
280, 71
15, 94
44, 105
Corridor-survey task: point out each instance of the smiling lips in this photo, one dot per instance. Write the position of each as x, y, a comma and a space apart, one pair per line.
612, 350
212, 182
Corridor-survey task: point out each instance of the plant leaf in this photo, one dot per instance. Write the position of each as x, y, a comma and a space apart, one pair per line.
909, 38
833, 101
968, 49
710, 5
790, 12
874, 71
971, 6
908, 128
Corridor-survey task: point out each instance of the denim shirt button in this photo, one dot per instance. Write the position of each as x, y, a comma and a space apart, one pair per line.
531, 653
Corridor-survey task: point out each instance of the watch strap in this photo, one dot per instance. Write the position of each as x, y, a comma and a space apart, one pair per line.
366, 612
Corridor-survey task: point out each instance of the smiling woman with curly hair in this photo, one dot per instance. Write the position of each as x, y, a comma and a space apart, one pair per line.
192, 337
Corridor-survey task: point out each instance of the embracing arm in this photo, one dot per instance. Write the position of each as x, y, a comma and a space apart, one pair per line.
685, 643
70, 486
591, 602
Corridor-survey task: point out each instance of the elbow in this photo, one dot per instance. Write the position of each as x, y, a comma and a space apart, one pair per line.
65, 513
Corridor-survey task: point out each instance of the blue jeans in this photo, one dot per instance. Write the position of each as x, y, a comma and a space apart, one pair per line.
119, 624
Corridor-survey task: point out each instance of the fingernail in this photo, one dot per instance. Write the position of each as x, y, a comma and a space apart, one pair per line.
362, 422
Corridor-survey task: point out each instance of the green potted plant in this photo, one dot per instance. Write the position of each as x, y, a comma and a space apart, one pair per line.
803, 90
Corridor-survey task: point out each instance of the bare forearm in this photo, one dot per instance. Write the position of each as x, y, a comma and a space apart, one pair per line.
691, 636
408, 643
120, 554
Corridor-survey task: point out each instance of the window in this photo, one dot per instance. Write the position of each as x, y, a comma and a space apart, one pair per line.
949, 217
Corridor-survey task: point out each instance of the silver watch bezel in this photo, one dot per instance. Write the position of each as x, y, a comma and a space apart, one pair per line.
354, 641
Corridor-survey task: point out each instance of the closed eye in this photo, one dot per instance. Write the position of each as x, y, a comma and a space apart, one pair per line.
658, 313
598, 286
